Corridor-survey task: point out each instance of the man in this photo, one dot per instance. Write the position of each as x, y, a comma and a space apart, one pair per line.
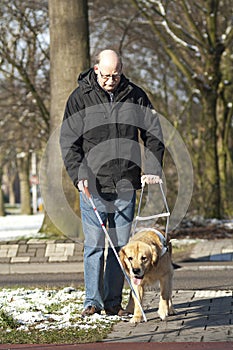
101, 152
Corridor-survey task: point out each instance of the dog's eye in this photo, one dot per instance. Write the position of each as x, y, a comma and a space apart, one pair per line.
144, 258
130, 258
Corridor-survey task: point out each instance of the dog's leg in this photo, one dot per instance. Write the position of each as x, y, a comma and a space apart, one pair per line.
130, 306
171, 310
165, 303
137, 315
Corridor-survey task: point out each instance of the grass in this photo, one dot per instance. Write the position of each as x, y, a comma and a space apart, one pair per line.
63, 336
59, 318
7, 321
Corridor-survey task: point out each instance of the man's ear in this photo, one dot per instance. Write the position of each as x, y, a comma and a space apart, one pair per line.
96, 68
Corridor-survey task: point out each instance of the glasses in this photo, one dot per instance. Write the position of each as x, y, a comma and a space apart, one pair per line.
108, 76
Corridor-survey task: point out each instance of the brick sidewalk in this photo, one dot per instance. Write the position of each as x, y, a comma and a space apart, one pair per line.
202, 316
50, 251
40, 251
53, 256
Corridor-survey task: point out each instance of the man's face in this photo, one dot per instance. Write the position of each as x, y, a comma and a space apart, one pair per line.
108, 76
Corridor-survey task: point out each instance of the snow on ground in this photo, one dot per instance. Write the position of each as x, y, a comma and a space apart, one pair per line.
47, 309
17, 226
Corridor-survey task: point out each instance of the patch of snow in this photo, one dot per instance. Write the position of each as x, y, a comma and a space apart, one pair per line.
184, 242
16, 226
49, 309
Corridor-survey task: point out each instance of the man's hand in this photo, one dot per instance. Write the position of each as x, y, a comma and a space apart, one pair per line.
150, 180
81, 185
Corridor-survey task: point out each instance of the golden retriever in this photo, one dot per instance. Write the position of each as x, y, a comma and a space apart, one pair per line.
147, 259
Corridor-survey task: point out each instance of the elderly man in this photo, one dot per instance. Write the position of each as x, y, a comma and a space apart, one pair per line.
103, 119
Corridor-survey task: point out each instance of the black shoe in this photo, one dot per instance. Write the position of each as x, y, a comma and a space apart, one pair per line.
116, 310
90, 310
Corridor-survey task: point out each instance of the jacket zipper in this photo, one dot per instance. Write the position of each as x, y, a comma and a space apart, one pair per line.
111, 95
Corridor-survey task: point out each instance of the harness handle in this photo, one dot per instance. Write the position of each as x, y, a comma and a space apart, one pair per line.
143, 218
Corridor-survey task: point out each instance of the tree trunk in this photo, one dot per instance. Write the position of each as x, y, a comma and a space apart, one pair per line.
211, 186
11, 175
224, 160
225, 133
2, 207
25, 197
69, 55
11, 193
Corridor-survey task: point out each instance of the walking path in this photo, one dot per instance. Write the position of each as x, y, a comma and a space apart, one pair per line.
203, 316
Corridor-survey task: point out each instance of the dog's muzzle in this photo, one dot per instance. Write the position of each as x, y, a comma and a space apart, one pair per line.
137, 280
137, 277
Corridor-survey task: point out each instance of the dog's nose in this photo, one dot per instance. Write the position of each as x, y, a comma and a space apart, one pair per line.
136, 271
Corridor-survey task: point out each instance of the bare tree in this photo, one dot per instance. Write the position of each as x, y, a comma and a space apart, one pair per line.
69, 55
24, 84
184, 63
197, 43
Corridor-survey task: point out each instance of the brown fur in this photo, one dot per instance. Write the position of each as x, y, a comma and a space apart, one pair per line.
141, 258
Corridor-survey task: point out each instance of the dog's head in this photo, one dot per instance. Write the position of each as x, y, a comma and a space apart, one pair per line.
137, 259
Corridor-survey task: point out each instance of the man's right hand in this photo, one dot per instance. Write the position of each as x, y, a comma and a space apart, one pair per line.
81, 185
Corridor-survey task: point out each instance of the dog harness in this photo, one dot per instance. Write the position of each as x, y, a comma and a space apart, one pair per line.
161, 237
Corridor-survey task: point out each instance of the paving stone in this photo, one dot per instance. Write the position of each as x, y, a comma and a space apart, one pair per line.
5, 260
40, 252
39, 259
37, 246
59, 249
78, 249
21, 241
20, 259
42, 240
57, 258
31, 252
8, 251
22, 248
75, 258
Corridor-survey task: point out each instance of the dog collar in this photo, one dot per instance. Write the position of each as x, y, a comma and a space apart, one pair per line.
161, 237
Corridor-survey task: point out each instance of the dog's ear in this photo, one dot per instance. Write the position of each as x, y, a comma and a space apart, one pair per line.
122, 256
154, 255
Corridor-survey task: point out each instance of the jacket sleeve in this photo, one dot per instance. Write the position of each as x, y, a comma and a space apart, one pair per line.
71, 139
152, 136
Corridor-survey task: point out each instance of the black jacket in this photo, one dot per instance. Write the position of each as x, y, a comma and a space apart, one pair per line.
100, 138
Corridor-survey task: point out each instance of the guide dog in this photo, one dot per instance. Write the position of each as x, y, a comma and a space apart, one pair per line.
146, 259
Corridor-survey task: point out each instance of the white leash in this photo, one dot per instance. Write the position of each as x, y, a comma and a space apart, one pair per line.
114, 250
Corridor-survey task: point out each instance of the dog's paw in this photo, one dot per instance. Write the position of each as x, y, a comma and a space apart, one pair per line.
172, 311
162, 314
136, 319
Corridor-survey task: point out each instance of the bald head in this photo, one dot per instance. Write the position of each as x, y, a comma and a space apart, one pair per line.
108, 69
109, 57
